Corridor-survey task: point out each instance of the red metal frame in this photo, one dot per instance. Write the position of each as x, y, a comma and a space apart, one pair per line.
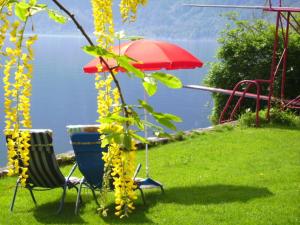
284, 21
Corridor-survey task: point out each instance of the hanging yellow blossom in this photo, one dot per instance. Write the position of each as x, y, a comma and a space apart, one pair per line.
128, 9
103, 21
3, 28
119, 160
17, 92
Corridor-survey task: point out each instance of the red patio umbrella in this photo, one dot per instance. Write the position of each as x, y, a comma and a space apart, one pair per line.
150, 55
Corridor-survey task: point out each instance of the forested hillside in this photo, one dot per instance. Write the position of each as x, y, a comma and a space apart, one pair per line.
160, 18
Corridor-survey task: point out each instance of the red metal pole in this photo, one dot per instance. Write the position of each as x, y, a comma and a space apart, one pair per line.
250, 84
286, 44
270, 3
240, 99
273, 66
257, 103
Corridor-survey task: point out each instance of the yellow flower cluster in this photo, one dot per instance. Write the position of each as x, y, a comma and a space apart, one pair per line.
3, 28
17, 92
18, 144
128, 9
104, 102
119, 163
103, 21
123, 169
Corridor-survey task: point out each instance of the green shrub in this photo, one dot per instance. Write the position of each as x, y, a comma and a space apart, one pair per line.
245, 53
223, 127
277, 118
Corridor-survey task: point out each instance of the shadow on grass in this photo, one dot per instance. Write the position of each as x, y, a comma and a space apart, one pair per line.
194, 195
46, 213
214, 194
139, 215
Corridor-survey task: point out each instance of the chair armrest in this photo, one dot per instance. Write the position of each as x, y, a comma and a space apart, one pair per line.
137, 170
72, 171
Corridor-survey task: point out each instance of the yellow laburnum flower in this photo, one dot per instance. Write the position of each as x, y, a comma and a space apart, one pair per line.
128, 9
17, 86
103, 21
119, 163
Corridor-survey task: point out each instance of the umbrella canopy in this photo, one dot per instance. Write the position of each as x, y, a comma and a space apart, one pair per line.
150, 55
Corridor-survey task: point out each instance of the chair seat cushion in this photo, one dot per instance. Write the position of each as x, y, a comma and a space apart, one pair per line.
74, 180
145, 183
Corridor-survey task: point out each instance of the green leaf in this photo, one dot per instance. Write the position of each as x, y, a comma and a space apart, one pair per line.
98, 51
32, 2
12, 1
146, 106
138, 137
127, 141
166, 118
137, 121
21, 10
37, 8
172, 117
125, 62
133, 38
120, 35
104, 142
152, 126
162, 134
167, 123
57, 17
117, 118
150, 85
167, 79
117, 138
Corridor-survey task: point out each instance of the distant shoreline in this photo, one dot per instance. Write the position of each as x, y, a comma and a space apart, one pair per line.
62, 158
78, 36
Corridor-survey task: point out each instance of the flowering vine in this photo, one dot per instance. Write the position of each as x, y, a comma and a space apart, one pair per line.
119, 160
128, 8
103, 21
18, 70
17, 92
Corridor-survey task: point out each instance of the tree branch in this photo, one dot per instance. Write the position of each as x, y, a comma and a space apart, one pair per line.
89, 40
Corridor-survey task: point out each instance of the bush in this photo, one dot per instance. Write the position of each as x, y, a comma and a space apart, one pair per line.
246, 53
277, 118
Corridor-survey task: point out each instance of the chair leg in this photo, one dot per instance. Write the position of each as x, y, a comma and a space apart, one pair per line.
32, 196
95, 197
77, 193
143, 196
162, 189
62, 201
78, 200
15, 194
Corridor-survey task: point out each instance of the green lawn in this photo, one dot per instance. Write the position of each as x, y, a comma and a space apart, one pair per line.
239, 176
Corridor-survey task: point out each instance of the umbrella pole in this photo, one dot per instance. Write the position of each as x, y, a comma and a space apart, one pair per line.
148, 182
146, 136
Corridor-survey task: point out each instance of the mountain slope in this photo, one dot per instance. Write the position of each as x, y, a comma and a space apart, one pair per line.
160, 18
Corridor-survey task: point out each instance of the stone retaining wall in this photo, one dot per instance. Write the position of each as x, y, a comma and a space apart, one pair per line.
69, 157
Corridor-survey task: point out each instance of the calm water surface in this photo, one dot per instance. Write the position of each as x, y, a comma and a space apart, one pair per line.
64, 95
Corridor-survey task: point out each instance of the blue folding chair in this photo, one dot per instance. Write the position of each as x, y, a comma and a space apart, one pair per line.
88, 155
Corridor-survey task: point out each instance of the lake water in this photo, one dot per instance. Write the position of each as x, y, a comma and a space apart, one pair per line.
64, 95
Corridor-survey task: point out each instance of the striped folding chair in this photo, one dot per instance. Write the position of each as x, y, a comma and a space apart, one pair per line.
43, 170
